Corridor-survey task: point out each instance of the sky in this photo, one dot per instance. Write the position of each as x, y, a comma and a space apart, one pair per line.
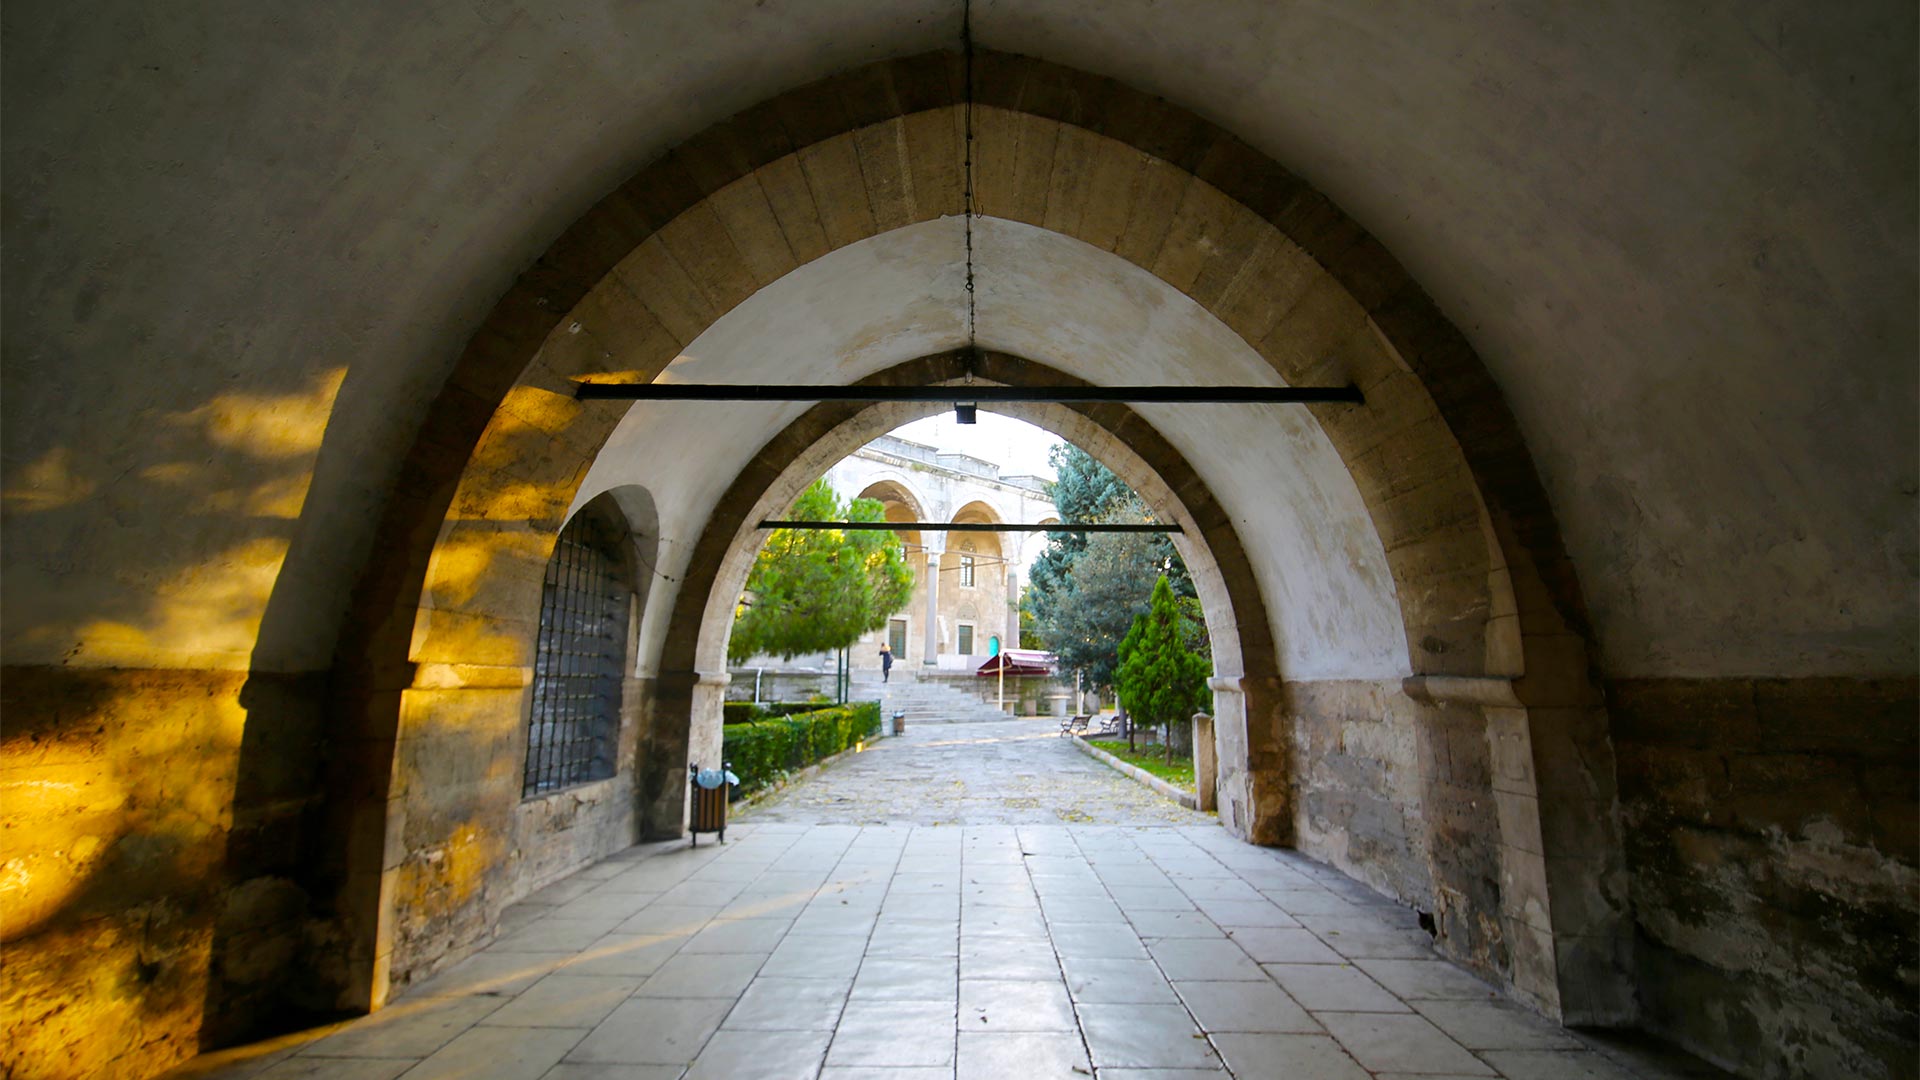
1016, 446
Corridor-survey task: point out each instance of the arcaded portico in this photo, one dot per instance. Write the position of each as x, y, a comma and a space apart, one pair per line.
330, 633
966, 588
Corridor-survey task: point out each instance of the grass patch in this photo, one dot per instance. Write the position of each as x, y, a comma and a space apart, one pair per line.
1152, 759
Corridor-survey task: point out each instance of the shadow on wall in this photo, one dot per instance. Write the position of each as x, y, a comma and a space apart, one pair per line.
161, 744
232, 473
162, 873
141, 895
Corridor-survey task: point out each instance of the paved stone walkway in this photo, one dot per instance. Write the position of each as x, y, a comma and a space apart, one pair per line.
1016, 772
1025, 944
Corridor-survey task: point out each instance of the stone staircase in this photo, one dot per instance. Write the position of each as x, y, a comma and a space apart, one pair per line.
925, 701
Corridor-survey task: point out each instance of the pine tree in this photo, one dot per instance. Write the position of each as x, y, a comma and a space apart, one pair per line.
1085, 589
820, 589
1161, 681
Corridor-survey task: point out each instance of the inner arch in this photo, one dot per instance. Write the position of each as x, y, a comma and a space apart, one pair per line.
1084, 311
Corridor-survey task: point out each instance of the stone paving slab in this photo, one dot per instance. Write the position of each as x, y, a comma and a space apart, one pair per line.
1015, 772
1027, 913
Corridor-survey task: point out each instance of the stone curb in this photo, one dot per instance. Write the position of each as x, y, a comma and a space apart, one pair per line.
1137, 774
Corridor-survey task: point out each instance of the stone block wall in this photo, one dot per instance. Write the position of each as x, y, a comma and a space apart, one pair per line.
1399, 794
151, 898
163, 876
556, 834
1771, 834
470, 845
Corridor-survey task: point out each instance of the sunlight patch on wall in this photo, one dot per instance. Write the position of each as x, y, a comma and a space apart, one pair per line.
206, 616
467, 560
47, 484
268, 425
61, 821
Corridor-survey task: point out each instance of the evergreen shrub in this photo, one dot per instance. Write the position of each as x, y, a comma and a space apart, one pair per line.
746, 712
765, 750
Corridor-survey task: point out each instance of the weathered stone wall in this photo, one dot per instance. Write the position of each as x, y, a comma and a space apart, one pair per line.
1771, 832
472, 845
150, 898
556, 834
1356, 787
159, 881
1399, 794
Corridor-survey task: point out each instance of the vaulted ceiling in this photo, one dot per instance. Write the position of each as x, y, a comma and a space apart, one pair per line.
245, 246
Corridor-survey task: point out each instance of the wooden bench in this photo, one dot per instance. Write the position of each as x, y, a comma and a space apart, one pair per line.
1117, 726
1075, 725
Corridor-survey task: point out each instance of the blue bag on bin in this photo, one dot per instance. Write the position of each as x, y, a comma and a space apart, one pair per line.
713, 778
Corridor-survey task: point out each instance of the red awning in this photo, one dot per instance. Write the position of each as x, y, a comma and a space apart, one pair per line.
1019, 662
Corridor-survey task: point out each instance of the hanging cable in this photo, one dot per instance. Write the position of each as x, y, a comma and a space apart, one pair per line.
966, 56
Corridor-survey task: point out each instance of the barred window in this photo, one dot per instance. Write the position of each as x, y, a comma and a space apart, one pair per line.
579, 661
966, 571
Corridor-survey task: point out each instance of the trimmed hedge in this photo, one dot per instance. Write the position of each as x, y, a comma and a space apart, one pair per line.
746, 712
764, 751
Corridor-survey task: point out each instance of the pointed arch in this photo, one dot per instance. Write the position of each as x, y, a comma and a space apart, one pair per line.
1493, 617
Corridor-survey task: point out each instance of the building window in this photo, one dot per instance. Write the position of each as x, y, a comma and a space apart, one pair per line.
966, 571
966, 639
579, 661
897, 638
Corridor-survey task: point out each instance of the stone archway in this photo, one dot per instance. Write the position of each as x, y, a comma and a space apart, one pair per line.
1253, 779
1493, 621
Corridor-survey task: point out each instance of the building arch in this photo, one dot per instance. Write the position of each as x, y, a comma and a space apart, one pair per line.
890, 487
1493, 616
970, 559
900, 505
1034, 543
983, 511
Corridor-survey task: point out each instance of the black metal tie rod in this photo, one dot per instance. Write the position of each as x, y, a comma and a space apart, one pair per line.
974, 526
984, 395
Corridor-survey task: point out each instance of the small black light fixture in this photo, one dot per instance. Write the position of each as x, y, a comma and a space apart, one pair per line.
966, 412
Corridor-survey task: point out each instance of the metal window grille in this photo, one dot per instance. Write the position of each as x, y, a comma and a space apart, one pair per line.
966, 640
897, 638
578, 665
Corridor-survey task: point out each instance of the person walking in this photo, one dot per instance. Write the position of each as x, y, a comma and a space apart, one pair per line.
886, 661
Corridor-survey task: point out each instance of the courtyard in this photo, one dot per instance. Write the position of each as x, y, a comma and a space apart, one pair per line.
966, 901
